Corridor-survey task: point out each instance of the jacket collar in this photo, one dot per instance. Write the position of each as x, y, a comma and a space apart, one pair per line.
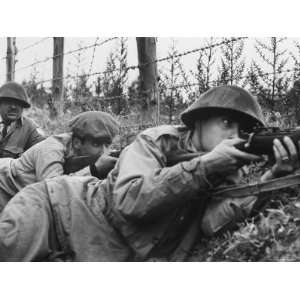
18, 122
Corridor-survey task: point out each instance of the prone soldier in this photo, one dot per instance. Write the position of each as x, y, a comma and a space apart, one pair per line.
91, 134
146, 208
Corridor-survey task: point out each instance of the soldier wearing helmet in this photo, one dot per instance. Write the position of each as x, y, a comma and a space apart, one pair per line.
91, 134
17, 133
146, 207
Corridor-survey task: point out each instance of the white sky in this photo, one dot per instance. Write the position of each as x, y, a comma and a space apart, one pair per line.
45, 49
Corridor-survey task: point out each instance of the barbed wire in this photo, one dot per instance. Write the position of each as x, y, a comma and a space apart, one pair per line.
92, 60
125, 96
65, 53
196, 84
33, 45
86, 47
243, 77
133, 67
224, 42
29, 46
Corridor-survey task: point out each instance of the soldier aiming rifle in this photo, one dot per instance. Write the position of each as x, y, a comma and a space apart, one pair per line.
147, 207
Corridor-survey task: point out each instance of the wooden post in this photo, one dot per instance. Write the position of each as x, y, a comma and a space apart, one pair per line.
10, 58
57, 79
146, 47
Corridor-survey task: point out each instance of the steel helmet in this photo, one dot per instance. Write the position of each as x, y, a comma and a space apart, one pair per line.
15, 91
230, 98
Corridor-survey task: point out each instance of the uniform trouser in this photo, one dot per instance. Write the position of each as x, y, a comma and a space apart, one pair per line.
33, 228
26, 226
4, 198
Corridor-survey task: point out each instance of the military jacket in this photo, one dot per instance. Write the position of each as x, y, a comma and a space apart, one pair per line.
44, 160
22, 135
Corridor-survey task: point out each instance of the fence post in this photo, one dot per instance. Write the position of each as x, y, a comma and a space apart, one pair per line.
57, 76
10, 58
146, 47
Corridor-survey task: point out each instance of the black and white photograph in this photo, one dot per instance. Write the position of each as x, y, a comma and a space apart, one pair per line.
150, 149
158, 160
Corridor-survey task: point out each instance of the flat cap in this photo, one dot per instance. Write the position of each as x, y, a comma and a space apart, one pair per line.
95, 124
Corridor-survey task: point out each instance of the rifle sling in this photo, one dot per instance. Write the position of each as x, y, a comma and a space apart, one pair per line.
258, 187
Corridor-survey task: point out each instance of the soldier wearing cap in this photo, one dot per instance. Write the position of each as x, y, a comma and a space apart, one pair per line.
17, 133
145, 208
91, 135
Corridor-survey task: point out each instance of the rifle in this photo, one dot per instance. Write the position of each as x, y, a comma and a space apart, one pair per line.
76, 163
260, 141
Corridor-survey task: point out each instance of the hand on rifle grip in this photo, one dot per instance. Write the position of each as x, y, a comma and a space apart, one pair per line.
286, 155
104, 165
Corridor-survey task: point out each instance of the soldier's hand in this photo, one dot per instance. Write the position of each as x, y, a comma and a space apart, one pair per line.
225, 158
286, 156
104, 165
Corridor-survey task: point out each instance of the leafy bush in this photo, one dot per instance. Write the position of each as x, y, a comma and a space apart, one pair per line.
272, 235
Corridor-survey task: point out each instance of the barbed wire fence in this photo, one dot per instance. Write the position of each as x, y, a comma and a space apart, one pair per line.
90, 74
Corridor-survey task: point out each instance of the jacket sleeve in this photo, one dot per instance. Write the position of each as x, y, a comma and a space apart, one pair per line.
35, 136
223, 214
48, 162
51, 165
86, 171
145, 188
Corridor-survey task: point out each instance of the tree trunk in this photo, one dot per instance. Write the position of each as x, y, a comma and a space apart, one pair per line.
57, 81
10, 58
148, 73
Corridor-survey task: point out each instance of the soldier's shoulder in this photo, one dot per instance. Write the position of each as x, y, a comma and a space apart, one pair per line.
165, 130
29, 122
57, 140
33, 126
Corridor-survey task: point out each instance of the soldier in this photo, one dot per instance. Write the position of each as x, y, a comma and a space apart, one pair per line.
91, 135
18, 133
145, 208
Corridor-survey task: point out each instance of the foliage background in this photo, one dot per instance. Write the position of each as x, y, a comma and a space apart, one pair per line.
271, 235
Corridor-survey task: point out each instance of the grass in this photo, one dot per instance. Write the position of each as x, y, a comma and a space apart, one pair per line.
272, 235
